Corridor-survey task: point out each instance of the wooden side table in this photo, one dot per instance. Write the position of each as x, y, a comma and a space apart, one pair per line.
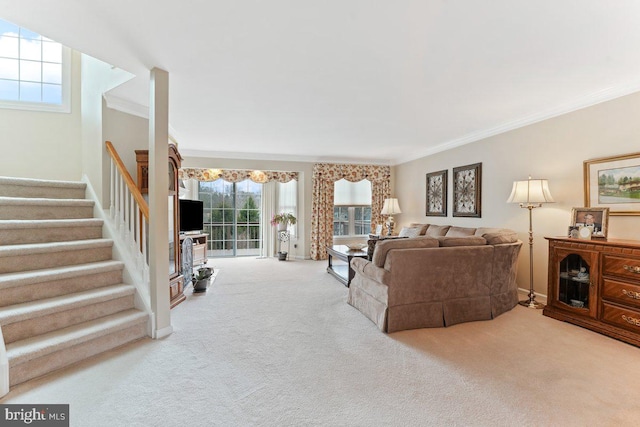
342, 272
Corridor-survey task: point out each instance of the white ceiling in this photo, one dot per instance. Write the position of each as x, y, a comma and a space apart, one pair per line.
353, 80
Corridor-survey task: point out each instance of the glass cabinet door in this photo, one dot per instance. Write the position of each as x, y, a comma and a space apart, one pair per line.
575, 284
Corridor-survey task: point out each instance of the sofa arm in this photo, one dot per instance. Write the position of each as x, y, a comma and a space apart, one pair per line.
369, 270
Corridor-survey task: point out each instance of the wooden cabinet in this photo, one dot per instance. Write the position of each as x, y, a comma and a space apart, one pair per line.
176, 281
199, 248
596, 284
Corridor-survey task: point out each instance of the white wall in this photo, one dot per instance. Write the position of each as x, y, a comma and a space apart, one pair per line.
127, 133
305, 189
43, 144
97, 78
554, 149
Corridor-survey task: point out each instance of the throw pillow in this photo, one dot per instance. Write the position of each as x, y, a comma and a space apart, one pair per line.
409, 232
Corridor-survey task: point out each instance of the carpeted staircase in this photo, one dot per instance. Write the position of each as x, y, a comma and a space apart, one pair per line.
61, 294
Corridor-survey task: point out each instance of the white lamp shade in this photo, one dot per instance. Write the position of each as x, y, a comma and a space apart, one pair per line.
530, 191
390, 207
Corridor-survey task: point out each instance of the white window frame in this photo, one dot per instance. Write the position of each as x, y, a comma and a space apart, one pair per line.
352, 222
64, 106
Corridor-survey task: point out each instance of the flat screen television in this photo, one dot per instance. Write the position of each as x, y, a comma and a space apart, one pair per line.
191, 215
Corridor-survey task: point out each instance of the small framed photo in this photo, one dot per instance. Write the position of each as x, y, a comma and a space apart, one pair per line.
378, 229
596, 219
573, 231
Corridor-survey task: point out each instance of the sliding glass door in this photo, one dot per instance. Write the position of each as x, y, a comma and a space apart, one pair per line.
232, 217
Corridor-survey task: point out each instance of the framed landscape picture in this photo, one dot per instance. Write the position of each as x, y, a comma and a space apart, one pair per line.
613, 182
467, 185
437, 193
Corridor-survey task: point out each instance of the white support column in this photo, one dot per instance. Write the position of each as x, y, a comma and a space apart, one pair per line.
158, 202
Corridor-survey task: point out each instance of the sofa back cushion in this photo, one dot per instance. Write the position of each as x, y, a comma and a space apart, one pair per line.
437, 230
422, 227
460, 231
384, 246
449, 241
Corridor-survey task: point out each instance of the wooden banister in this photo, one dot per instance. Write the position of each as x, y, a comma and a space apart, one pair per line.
133, 188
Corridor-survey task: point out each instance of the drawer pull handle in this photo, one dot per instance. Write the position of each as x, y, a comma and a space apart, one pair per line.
631, 320
631, 294
631, 269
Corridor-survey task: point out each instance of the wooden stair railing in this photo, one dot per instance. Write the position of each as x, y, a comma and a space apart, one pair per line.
129, 211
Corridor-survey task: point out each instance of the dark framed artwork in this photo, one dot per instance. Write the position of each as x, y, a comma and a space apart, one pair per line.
613, 182
467, 186
437, 193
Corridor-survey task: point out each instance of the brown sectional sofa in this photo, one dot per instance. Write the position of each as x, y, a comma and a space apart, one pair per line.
445, 276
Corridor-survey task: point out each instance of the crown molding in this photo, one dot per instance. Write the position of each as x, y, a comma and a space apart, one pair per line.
583, 102
281, 157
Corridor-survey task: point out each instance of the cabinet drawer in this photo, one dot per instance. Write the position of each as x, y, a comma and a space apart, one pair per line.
624, 292
176, 287
199, 254
621, 266
622, 317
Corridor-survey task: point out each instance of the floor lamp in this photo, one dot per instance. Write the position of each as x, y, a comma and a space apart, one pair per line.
531, 194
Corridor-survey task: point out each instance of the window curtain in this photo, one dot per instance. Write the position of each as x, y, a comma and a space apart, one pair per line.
268, 209
236, 175
324, 176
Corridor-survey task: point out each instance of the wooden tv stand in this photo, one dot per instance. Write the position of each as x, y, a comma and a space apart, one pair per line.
199, 247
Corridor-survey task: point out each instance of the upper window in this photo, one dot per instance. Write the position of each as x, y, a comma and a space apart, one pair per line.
352, 208
34, 71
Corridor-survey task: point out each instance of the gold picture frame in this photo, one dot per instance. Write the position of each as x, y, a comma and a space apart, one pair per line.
604, 185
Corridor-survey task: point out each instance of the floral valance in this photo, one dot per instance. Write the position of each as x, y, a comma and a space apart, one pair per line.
334, 172
236, 175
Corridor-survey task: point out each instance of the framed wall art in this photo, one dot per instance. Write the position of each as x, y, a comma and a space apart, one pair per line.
437, 193
467, 186
613, 182
596, 219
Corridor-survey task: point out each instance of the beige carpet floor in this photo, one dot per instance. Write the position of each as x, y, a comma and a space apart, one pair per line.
275, 344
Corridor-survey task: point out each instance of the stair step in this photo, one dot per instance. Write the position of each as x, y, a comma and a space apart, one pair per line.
37, 256
28, 187
36, 356
51, 282
44, 208
20, 321
16, 232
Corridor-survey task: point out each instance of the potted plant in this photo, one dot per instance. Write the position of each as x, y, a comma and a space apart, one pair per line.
282, 220
201, 279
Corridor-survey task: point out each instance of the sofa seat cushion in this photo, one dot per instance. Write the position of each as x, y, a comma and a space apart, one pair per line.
447, 241
384, 246
454, 231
